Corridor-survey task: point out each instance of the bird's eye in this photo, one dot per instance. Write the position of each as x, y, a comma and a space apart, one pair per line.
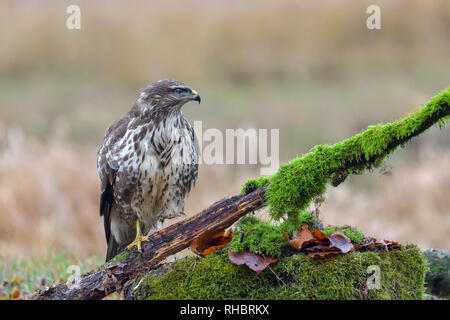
178, 91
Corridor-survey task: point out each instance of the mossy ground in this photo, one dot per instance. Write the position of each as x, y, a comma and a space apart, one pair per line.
402, 275
294, 276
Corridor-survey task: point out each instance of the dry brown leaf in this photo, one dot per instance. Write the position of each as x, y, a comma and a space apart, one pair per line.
318, 244
371, 243
392, 244
16, 294
319, 235
341, 241
209, 241
300, 237
317, 254
254, 261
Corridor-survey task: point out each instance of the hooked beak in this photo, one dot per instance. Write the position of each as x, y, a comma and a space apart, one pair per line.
195, 96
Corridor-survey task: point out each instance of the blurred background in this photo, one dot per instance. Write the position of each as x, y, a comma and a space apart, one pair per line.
310, 68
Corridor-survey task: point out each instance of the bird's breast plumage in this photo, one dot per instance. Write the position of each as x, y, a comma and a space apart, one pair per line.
157, 166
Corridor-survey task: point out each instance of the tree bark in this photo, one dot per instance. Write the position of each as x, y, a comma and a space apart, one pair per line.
112, 276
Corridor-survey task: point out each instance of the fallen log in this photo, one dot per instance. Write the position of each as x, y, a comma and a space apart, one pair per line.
113, 275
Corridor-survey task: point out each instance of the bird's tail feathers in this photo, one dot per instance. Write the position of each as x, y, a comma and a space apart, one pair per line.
113, 248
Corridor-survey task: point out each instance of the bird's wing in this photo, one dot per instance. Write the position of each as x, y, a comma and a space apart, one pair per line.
188, 174
107, 170
195, 159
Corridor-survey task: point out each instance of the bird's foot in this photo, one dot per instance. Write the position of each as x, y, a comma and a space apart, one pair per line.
139, 238
138, 242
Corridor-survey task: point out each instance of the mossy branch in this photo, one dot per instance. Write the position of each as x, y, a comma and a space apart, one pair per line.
302, 180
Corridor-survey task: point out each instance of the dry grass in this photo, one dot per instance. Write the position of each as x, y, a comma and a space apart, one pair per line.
48, 198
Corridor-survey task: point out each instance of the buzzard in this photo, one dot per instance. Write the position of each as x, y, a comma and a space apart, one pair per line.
147, 163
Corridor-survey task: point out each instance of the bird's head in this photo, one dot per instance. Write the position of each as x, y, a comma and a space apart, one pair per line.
168, 95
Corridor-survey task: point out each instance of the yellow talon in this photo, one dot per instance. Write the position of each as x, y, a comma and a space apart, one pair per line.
139, 238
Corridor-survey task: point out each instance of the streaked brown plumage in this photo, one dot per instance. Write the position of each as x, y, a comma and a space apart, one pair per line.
147, 163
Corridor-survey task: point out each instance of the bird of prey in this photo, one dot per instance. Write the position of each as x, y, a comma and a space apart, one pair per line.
147, 163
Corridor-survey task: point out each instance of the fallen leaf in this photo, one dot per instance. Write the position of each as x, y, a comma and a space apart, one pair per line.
319, 235
314, 243
386, 244
209, 241
254, 261
374, 243
393, 244
16, 294
316, 254
341, 241
300, 237
320, 247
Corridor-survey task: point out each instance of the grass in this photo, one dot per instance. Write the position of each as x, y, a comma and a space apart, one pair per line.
20, 277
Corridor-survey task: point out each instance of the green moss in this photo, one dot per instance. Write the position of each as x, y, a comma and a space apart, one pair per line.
302, 180
297, 277
295, 221
258, 236
253, 184
263, 237
123, 255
